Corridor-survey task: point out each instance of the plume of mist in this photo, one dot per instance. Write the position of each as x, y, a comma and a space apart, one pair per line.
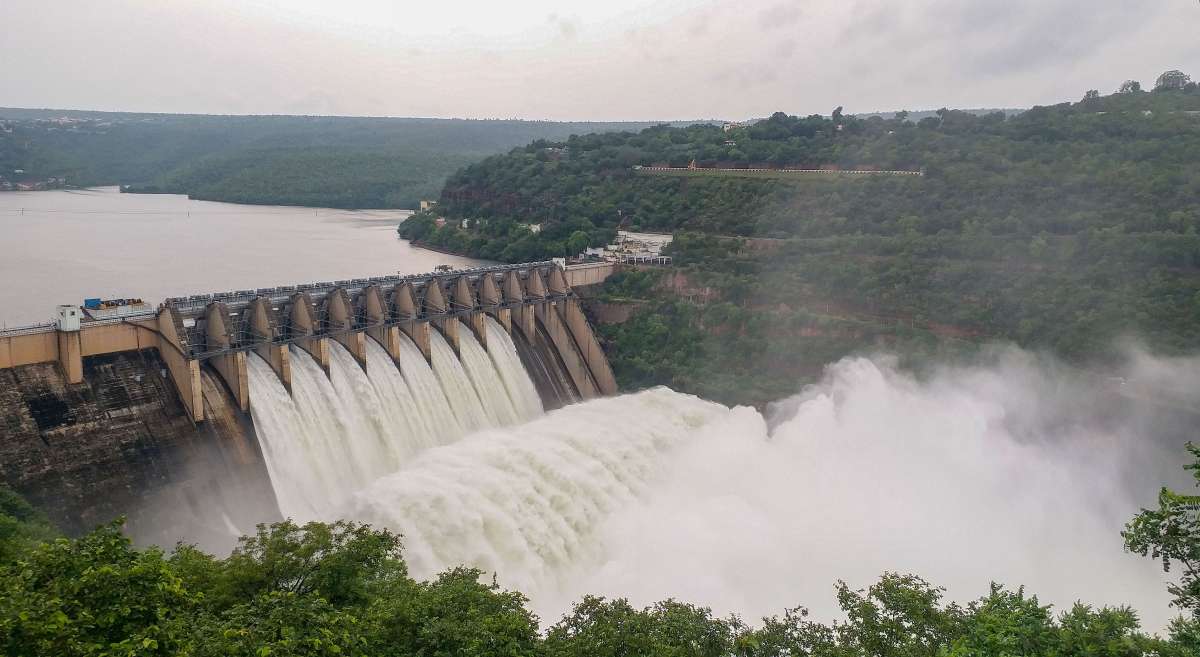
1021, 471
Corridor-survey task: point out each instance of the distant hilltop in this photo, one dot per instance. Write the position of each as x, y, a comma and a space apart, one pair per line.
344, 162
59, 114
917, 115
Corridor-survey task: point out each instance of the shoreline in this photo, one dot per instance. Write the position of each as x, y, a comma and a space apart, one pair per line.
121, 189
437, 249
420, 244
124, 189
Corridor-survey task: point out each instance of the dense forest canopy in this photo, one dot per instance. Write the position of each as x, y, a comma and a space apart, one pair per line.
1105, 161
293, 160
1067, 227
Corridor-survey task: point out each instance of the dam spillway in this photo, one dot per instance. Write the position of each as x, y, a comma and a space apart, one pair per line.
323, 441
307, 392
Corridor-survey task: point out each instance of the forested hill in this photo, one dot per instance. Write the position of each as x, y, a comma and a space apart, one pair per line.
1065, 227
1101, 162
294, 160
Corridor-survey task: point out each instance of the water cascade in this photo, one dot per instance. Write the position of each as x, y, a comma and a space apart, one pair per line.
458, 388
525, 501
551, 379
379, 435
482, 372
659, 494
402, 411
336, 433
432, 404
300, 450
521, 390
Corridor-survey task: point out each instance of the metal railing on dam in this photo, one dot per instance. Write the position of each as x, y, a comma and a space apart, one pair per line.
221, 329
184, 304
193, 308
28, 329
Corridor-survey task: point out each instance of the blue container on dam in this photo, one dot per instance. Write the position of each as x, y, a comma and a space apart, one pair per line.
91, 304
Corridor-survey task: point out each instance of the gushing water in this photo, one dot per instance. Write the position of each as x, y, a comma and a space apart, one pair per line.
658, 494
306, 467
378, 438
526, 501
1005, 473
521, 391
459, 391
431, 401
400, 407
482, 373
335, 434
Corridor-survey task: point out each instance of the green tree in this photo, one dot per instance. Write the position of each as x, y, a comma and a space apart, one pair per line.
96, 595
1007, 623
1172, 80
279, 623
1130, 87
339, 562
578, 242
454, 615
791, 635
1171, 533
600, 628
899, 616
21, 526
613, 628
1106, 632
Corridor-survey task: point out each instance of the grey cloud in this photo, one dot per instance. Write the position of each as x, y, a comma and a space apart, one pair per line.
994, 37
698, 25
1059, 32
717, 57
648, 43
785, 48
780, 15
745, 77
871, 19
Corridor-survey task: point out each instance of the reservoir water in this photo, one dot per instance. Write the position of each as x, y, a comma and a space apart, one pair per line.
62, 246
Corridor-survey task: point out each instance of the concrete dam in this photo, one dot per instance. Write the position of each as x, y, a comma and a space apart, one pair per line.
210, 413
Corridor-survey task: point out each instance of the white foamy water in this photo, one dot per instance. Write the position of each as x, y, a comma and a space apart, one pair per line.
427, 392
973, 476
379, 436
297, 486
457, 386
335, 434
1014, 472
525, 501
300, 448
480, 369
400, 406
503, 352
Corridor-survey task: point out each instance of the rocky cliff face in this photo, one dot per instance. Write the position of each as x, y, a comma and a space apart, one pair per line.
120, 444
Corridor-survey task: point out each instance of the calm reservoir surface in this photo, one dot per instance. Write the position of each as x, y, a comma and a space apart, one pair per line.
62, 246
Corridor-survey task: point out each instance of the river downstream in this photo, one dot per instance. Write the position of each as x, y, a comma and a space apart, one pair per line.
63, 246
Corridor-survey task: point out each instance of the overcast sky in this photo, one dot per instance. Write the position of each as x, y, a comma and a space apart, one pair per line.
609, 59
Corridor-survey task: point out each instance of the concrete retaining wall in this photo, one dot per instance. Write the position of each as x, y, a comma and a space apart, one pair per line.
590, 273
18, 350
115, 443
